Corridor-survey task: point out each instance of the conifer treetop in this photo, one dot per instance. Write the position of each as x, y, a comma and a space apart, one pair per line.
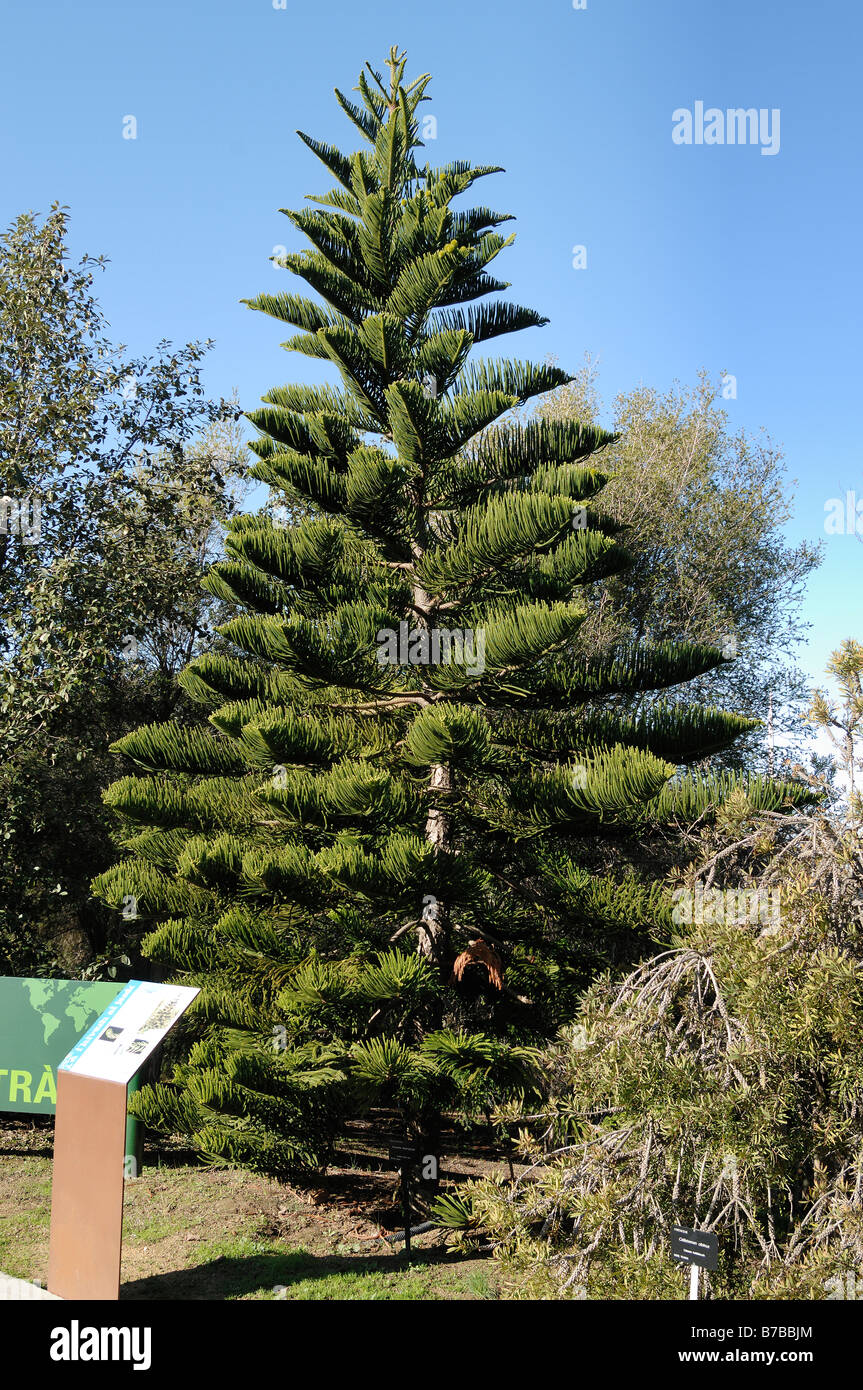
404, 762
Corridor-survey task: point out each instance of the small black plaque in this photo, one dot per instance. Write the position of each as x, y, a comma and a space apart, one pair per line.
694, 1247
404, 1152
424, 1166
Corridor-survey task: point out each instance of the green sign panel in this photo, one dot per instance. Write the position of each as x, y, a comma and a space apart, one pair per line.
40, 1021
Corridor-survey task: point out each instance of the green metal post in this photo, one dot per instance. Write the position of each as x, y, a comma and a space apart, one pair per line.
134, 1160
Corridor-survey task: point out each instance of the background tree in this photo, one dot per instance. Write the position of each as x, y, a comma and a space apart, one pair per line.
381, 857
114, 475
704, 509
843, 722
718, 1086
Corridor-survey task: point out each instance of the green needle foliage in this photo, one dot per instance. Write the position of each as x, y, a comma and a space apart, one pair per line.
375, 863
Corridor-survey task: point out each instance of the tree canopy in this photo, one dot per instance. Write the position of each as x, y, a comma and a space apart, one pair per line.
382, 857
115, 473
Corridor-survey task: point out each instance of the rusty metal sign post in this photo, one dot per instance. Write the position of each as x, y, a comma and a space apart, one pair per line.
90, 1137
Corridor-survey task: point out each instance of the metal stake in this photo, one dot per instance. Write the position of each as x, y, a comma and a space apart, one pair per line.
406, 1207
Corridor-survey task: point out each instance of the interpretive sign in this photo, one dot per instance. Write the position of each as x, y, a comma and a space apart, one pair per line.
40, 1020
115, 1047
89, 1137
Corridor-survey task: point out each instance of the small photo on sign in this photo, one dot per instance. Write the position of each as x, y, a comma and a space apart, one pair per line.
139, 1045
111, 1034
163, 1015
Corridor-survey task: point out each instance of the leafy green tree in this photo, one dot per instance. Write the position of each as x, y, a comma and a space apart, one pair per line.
704, 508
115, 474
384, 864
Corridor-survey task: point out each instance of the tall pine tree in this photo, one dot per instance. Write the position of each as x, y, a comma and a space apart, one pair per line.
382, 858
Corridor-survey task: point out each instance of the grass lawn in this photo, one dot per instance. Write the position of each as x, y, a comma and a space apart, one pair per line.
193, 1232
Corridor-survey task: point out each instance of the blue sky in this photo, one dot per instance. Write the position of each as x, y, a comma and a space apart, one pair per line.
698, 255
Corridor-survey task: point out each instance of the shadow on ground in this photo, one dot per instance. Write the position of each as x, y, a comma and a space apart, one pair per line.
226, 1277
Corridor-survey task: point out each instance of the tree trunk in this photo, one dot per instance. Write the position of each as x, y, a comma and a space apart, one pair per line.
434, 924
